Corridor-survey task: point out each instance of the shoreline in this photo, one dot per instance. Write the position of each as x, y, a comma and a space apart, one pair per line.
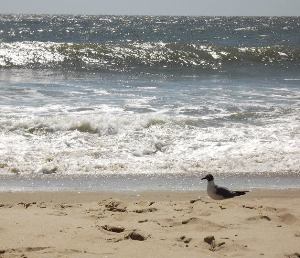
94, 196
144, 182
162, 195
263, 223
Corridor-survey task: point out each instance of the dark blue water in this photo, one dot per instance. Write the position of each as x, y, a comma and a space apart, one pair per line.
224, 31
189, 45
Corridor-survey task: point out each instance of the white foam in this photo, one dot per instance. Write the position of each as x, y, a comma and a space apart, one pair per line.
218, 129
126, 142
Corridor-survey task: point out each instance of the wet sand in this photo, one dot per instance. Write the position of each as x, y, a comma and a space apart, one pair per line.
264, 223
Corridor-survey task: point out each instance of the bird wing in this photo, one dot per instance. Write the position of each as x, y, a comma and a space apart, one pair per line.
223, 191
238, 193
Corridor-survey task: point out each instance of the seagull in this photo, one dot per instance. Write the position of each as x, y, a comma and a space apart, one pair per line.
217, 192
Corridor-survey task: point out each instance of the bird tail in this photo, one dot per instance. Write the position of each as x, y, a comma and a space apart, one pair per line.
238, 193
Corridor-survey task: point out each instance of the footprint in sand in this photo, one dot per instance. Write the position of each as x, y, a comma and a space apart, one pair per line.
260, 217
294, 255
205, 214
167, 223
42, 205
65, 205
58, 213
184, 239
138, 236
26, 205
145, 210
2, 205
13, 251
202, 224
143, 221
214, 245
288, 218
249, 207
135, 235
115, 206
115, 229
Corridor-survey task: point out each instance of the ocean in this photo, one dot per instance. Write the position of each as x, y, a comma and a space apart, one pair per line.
148, 102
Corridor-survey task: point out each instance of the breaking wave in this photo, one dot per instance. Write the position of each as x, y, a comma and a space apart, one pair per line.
142, 56
141, 144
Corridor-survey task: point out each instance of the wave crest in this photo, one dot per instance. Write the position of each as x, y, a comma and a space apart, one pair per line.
145, 56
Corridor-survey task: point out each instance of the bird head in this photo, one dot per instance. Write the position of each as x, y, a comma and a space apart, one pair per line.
208, 177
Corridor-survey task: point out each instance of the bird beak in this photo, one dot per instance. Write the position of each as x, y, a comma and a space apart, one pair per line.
203, 178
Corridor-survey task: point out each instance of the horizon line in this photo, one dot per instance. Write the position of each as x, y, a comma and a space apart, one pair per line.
142, 15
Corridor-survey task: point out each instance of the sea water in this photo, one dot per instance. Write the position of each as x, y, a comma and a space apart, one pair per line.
158, 101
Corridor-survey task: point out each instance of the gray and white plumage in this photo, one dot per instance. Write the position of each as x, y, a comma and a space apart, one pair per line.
217, 192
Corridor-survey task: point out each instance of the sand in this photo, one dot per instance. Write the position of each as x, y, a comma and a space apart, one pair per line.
264, 223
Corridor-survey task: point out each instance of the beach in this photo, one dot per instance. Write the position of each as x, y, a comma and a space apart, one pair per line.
108, 123
263, 223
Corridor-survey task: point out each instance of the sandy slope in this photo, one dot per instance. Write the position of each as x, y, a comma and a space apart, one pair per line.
263, 223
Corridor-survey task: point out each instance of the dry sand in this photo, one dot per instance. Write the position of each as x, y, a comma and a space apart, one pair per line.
264, 223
